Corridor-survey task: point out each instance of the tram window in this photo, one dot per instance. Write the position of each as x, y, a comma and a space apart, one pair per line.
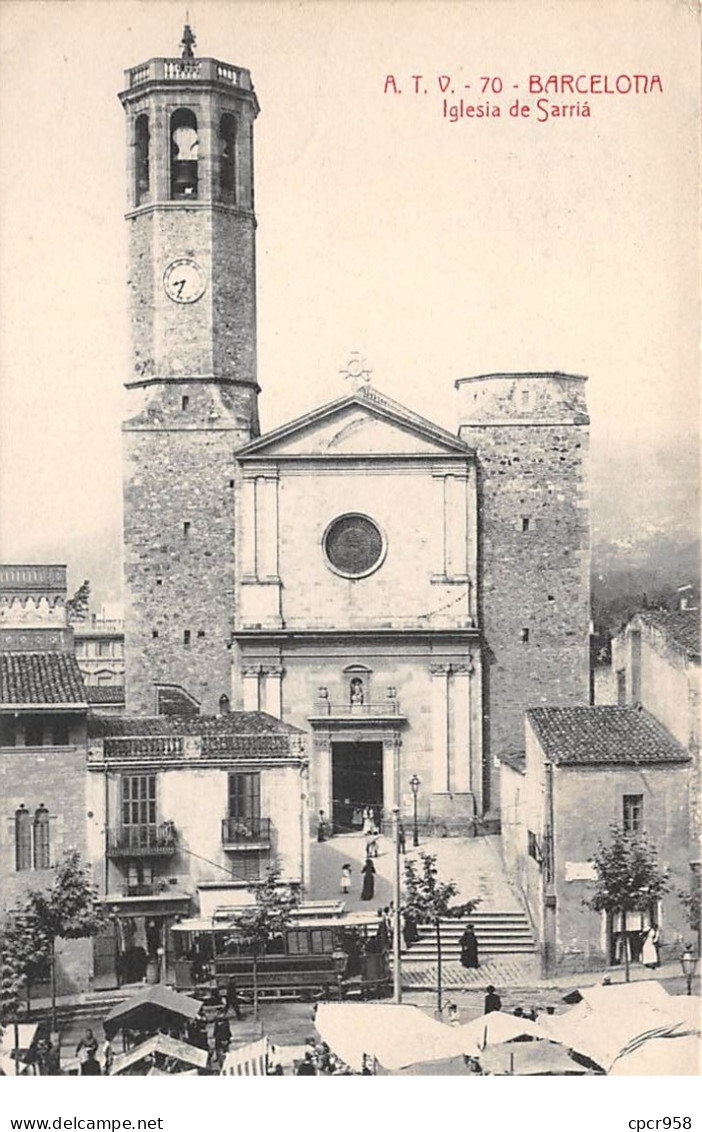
298, 943
321, 942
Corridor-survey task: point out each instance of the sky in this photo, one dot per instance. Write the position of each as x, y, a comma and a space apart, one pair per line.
436, 249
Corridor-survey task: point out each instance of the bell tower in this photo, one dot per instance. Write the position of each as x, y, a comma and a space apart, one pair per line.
192, 390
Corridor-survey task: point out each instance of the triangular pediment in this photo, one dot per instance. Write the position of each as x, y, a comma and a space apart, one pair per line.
364, 424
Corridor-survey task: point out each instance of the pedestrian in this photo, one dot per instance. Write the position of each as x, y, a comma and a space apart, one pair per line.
469, 948
649, 951
306, 1067
368, 871
91, 1066
87, 1045
222, 1031
453, 1016
401, 838
345, 883
321, 827
366, 827
231, 997
372, 847
493, 1001
410, 932
108, 1056
383, 933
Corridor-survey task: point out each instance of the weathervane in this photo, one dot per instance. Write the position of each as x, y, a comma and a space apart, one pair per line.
356, 370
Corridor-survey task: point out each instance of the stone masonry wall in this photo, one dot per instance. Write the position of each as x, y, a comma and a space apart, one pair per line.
534, 569
55, 777
179, 578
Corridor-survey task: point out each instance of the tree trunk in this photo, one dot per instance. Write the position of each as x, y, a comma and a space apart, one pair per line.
439, 1002
625, 943
52, 960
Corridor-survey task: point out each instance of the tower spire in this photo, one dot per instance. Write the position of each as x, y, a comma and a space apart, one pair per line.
188, 41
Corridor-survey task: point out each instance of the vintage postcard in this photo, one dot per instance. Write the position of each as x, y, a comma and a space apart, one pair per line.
349, 569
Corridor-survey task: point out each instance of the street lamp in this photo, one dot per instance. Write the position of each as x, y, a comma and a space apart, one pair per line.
415, 784
688, 963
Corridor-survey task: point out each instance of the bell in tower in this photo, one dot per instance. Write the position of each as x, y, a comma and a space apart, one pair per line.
193, 384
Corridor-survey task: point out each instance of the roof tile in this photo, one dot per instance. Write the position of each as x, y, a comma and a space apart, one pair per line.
40, 678
604, 735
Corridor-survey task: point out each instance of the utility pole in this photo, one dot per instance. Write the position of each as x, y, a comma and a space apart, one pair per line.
397, 923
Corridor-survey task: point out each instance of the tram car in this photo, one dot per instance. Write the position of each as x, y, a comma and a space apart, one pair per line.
325, 952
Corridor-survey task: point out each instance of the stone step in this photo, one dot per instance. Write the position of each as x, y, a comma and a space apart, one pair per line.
498, 933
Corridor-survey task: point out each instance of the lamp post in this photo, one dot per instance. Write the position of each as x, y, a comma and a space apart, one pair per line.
397, 923
688, 963
415, 784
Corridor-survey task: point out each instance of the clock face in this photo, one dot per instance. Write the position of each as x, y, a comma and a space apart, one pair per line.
184, 281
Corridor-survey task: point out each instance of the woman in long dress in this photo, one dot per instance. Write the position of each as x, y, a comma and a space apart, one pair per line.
368, 871
469, 948
649, 952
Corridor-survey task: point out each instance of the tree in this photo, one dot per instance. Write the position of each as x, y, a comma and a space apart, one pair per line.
428, 901
67, 910
627, 878
266, 919
24, 955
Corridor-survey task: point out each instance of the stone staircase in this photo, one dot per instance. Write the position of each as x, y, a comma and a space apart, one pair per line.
498, 933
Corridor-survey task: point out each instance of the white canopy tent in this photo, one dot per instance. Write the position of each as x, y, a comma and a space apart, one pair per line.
395, 1036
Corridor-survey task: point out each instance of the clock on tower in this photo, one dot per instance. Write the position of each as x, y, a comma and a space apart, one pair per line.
192, 386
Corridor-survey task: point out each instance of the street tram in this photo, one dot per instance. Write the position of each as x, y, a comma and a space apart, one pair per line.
324, 952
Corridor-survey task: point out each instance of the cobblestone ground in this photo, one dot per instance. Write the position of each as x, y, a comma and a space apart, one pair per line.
474, 863
503, 971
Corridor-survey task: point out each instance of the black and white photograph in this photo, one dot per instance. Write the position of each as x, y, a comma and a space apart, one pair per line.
349, 555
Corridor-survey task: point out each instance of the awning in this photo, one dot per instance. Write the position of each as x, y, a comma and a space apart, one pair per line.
247, 1061
613, 1019
151, 1008
165, 1046
25, 1032
396, 1036
494, 1028
673, 1056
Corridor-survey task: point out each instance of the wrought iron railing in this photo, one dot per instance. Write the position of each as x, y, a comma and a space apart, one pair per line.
142, 840
243, 831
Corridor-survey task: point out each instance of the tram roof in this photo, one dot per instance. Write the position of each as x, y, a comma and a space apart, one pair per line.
347, 920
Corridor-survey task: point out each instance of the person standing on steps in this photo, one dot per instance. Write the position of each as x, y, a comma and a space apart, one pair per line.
469, 948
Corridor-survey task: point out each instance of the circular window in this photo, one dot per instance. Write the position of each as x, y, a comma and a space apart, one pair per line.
354, 546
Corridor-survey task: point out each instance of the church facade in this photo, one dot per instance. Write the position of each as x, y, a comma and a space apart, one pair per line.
399, 592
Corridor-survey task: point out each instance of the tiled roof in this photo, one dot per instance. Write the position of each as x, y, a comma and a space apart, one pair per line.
40, 678
604, 735
681, 628
232, 723
243, 735
105, 693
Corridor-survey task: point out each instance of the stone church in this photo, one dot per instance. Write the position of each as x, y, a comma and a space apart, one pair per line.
400, 592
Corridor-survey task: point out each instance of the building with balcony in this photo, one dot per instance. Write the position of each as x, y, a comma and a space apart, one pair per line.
186, 812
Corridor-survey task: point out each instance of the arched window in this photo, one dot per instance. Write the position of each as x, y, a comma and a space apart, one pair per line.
42, 839
23, 839
227, 157
224, 705
141, 159
184, 155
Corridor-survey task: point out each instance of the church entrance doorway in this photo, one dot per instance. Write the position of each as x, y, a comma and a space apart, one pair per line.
357, 784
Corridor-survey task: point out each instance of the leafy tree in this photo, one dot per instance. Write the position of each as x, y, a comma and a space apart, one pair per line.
24, 955
428, 901
77, 606
67, 910
627, 878
266, 919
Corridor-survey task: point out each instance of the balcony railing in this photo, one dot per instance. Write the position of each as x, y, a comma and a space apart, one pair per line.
246, 833
362, 711
142, 841
143, 747
185, 70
